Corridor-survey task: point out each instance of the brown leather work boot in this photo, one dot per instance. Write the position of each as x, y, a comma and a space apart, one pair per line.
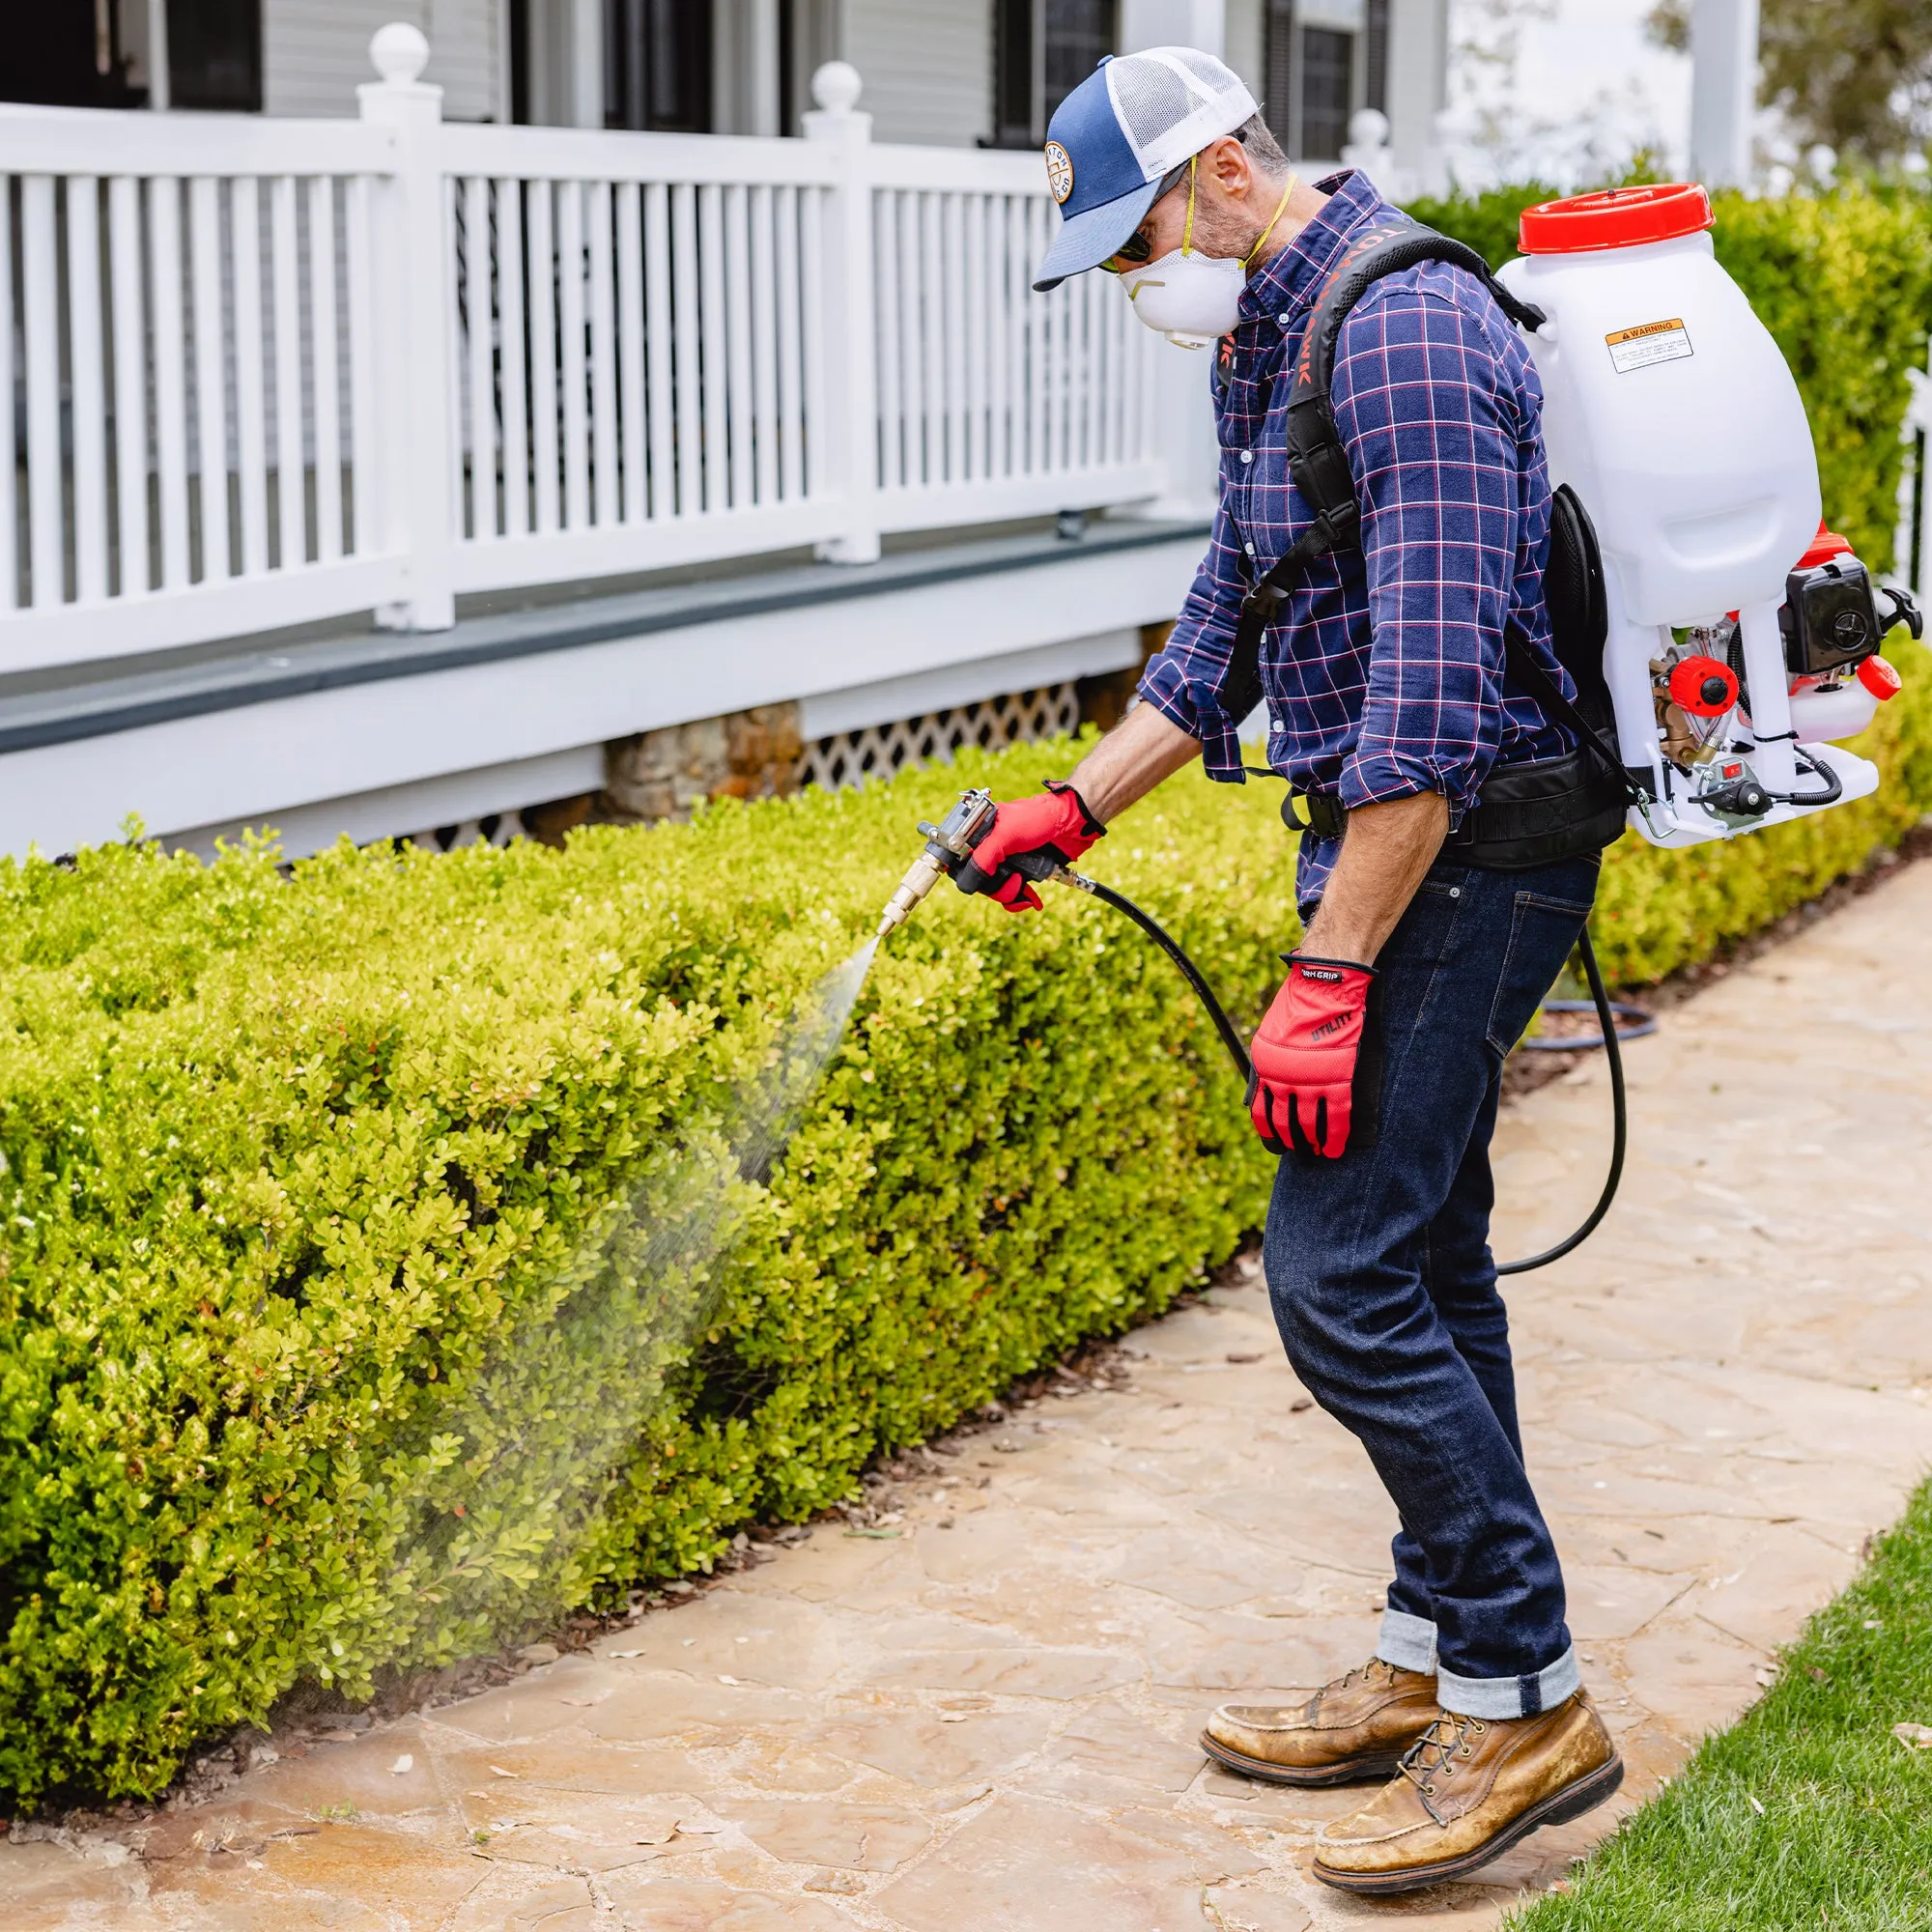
1467, 1791
1356, 1727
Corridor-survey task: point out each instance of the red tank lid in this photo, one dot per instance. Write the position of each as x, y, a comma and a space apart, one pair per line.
1825, 546
1617, 217
1880, 679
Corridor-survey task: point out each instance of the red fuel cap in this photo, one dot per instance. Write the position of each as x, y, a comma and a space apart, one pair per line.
1617, 217
1880, 679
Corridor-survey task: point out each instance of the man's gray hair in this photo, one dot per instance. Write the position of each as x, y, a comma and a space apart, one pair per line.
1258, 138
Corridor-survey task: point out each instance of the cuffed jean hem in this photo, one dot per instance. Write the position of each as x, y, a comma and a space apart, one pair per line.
1407, 1642
1508, 1696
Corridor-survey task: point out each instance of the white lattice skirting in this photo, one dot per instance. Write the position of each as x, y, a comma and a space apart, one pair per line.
878, 751
498, 828
851, 757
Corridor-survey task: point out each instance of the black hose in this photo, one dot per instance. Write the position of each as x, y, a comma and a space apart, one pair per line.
1237, 1052
1834, 791
1619, 1121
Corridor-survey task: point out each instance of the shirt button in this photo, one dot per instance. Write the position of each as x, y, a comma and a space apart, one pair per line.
1247, 456
1250, 549
1282, 320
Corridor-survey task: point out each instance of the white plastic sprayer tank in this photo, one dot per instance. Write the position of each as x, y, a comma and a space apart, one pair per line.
1670, 409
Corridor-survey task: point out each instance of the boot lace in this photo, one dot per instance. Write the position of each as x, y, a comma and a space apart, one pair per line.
1366, 1672
1432, 1756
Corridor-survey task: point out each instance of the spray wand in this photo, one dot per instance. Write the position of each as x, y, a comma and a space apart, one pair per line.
950, 842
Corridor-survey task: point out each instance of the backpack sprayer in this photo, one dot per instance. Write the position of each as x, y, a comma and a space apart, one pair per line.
1719, 638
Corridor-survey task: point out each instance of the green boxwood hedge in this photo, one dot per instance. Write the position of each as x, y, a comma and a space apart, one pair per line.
326, 1319
378, 1275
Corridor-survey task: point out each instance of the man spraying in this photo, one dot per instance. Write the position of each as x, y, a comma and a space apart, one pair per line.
1401, 673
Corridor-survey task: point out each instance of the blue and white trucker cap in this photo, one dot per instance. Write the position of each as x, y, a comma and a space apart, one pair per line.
1131, 122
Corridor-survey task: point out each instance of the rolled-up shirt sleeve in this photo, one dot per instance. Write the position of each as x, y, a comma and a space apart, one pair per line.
1191, 681
1433, 442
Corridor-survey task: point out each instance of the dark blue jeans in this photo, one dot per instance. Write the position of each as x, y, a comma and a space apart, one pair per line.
1386, 1290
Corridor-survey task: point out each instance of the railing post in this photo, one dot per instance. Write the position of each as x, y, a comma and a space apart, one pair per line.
847, 320
413, 506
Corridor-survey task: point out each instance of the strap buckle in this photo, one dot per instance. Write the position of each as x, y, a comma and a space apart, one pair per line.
1328, 817
1265, 600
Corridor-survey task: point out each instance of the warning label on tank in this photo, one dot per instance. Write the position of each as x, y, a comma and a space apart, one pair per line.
1650, 341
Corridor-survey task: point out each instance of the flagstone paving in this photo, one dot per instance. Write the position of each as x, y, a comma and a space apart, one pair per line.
986, 1720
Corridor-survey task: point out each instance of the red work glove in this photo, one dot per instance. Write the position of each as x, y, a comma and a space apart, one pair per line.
1302, 1093
1034, 835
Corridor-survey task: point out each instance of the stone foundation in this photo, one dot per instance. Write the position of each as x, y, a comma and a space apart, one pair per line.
669, 773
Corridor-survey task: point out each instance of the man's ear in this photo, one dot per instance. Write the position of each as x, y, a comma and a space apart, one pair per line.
1226, 163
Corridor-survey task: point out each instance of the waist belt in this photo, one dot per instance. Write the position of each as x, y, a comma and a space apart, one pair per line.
1538, 813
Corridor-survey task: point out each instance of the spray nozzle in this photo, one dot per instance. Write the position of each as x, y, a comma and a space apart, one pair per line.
948, 844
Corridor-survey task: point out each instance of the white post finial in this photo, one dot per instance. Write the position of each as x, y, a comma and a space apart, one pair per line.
399, 53
837, 87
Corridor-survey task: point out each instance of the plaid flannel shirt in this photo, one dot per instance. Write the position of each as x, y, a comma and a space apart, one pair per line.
1384, 676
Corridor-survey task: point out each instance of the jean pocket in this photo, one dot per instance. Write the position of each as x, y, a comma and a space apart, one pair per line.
1543, 932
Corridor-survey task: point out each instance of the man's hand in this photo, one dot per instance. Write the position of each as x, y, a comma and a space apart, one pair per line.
1306, 1055
1050, 830
1386, 853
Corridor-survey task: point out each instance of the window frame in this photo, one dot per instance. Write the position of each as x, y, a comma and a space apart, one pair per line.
1285, 66
1022, 53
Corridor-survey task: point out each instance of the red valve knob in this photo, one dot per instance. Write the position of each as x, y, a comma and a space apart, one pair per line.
1880, 679
1703, 686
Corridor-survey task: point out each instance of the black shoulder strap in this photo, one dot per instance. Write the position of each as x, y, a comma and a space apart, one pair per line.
1317, 459
1548, 695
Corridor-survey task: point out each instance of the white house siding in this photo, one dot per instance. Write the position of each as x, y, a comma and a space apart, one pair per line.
928, 68
315, 56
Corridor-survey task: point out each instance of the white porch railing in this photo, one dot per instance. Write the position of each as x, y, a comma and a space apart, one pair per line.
270, 371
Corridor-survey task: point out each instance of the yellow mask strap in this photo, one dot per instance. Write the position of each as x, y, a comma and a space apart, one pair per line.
1294, 181
1188, 233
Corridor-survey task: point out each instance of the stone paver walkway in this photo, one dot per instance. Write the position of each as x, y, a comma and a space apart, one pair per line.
986, 1720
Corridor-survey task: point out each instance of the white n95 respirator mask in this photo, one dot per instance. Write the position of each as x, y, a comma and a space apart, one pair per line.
1192, 299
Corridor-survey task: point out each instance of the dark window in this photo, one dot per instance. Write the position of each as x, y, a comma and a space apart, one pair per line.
214, 55
657, 66
1079, 36
1279, 104
1327, 74
1013, 73
1311, 76
1376, 56
1043, 50
64, 53
520, 62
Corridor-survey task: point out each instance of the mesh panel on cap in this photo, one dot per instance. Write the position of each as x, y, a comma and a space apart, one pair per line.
1172, 101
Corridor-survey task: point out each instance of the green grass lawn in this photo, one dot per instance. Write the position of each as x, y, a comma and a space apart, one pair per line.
1808, 1813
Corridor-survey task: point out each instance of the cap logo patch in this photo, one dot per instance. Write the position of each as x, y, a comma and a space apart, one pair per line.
1059, 171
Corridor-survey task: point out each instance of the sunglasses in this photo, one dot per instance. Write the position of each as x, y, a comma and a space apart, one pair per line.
1138, 248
